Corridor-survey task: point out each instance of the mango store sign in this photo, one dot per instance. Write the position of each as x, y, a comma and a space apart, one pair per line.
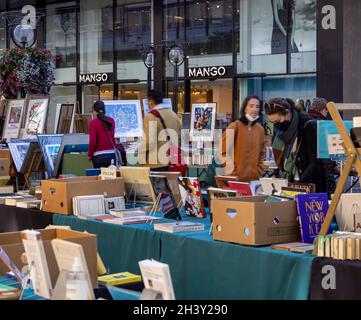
210, 72
96, 78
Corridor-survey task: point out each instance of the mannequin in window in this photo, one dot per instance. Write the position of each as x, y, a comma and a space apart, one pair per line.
279, 34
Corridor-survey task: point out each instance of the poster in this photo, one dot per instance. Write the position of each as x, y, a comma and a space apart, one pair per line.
13, 119
127, 115
36, 116
203, 121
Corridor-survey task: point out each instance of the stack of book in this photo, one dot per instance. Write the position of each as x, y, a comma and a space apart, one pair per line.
180, 226
126, 213
340, 246
299, 247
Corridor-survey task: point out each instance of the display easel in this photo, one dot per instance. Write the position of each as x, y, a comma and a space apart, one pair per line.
36, 166
352, 159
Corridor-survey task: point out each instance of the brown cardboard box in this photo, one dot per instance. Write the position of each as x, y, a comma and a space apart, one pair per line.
251, 221
57, 194
12, 244
4, 167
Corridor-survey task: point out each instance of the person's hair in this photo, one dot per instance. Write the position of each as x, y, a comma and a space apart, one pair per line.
245, 103
308, 102
156, 96
99, 107
279, 106
319, 104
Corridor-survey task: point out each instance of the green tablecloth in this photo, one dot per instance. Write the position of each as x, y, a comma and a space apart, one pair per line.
202, 268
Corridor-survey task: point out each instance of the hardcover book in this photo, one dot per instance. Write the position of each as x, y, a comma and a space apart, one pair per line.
307, 187
217, 193
119, 278
114, 203
242, 188
312, 210
272, 185
192, 197
126, 213
222, 181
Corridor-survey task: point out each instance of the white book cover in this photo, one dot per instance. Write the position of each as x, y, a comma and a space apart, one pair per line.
349, 206
127, 213
39, 270
89, 205
156, 276
269, 184
115, 203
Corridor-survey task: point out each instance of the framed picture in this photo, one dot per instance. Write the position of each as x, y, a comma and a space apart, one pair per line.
203, 121
64, 118
36, 116
127, 115
14, 114
50, 146
167, 102
18, 152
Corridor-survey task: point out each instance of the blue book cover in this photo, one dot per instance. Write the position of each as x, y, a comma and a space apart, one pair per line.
312, 210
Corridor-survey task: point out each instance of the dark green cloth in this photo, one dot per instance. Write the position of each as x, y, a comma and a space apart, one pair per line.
202, 268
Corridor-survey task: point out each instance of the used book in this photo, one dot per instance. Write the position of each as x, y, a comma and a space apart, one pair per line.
312, 210
192, 197
119, 278
126, 213
181, 226
132, 220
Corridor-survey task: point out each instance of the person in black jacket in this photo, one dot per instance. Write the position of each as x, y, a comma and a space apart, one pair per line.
295, 143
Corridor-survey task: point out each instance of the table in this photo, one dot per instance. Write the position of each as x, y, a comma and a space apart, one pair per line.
202, 268
18, 219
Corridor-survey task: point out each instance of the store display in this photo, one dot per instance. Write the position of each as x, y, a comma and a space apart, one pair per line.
128, 117
39, 270
14, 114
192, 197
167, 204
137, 184
70, 257
312, 210
156, 276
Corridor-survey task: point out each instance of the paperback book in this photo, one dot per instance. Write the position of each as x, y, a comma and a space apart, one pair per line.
181, 226
312, 210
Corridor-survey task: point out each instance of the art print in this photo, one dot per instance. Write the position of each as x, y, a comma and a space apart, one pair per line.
13, 119
36, 116
203, 122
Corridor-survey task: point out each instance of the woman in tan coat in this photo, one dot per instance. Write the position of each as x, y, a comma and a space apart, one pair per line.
244, 158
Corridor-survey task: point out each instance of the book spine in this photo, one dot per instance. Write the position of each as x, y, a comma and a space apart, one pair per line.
300, 218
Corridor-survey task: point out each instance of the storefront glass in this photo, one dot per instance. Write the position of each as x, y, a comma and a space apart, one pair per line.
61, 39
132, 29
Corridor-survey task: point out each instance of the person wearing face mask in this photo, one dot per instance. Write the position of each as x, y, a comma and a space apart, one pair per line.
247, 152
295, 144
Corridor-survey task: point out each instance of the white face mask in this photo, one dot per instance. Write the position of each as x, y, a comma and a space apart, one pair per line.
250, 118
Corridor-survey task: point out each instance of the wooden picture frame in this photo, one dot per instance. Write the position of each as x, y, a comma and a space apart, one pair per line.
64, 118
14, 115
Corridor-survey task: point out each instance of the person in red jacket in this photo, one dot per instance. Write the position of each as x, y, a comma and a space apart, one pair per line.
101, 137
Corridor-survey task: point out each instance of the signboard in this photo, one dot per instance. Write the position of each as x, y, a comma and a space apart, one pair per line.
210, 72
96, 78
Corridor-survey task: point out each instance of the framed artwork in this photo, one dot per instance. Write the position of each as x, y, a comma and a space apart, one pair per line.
64, 118
167, 102
50, 146
18, 152
127, 115
203, 121
36, 116
14, 114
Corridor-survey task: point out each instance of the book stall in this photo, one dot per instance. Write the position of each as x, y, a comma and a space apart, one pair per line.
69, 231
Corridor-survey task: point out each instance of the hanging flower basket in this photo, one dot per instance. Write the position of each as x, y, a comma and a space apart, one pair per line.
30, 70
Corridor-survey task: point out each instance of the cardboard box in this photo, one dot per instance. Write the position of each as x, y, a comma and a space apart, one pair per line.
57, 194
4, 166
12, 244
251, 221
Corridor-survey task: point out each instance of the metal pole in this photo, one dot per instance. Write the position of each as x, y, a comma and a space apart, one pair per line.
149, 78
175, 89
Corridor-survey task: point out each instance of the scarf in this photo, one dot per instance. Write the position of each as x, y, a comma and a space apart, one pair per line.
285, 148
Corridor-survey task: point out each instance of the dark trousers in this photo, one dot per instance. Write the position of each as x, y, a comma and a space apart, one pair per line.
103, 160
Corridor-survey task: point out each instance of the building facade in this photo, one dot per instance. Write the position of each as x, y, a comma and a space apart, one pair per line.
268, 48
